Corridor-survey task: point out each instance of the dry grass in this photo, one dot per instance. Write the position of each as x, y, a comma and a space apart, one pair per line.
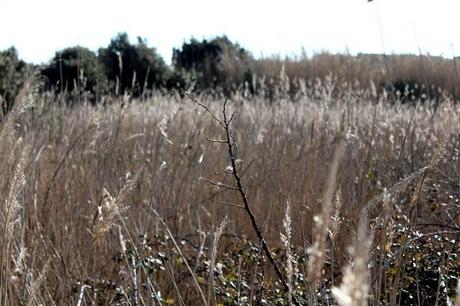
363, 73
354, 289
125, 205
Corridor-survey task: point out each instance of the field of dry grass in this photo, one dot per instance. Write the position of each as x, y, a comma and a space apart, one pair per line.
439, 76
137, 203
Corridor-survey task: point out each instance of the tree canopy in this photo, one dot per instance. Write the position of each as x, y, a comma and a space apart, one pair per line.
217, 62
132, 67
13, 73
75, 69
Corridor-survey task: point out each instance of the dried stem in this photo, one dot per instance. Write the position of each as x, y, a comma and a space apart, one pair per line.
230, 142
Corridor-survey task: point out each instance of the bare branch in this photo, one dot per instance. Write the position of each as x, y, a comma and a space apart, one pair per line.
205, 108
231, 147
213, 140
230, 203
219, 184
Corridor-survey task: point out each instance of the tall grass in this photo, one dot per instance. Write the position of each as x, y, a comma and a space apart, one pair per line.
363, 72
124, 203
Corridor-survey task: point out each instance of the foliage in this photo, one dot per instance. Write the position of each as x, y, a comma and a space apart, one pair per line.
423, 269
409, 90
13, 73
181, 79
132, 68
219, 62
75, 69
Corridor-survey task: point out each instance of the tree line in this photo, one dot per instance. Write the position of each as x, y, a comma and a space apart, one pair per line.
133, 68
220, 65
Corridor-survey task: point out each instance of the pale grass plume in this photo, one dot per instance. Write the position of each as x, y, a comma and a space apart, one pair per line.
163, 126
13, 205
286, 241
317, 251
19, 265
111, 209
212, 265
354, 290
217, 235
107, 215
336, 220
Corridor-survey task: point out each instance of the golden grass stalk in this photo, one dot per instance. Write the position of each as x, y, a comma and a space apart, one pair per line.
317, 251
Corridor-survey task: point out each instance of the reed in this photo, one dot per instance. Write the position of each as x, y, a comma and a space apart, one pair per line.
123, 203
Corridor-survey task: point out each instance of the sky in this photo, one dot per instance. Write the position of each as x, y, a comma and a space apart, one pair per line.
40, 28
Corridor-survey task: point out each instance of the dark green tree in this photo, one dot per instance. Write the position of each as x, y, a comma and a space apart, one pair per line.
217, 63
13, 73
132, 67
75, 69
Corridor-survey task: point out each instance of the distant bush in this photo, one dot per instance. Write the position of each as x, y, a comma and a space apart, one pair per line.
132, 68
218, 63
75, 69
13, 73
407, 90
181, 79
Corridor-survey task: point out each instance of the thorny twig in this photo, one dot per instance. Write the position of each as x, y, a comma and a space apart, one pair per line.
231, 146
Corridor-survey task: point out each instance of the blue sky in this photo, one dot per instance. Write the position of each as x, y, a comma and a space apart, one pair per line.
39, 28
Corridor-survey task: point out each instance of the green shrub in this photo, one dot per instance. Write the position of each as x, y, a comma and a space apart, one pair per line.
75, 69
13, 73
218, 63
133, 68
